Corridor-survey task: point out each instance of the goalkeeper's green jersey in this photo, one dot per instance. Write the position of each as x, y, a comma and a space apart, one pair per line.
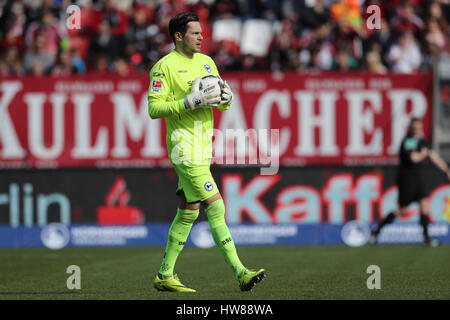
189, 132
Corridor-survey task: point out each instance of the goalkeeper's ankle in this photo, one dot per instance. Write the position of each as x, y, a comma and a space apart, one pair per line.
164, 276
240, 272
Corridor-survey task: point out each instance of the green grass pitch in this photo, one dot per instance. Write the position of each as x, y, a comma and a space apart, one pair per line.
293, 273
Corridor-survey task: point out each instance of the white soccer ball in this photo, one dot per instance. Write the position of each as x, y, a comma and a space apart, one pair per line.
210, 85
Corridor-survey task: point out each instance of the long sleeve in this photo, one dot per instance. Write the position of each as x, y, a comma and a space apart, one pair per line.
161, 102
159, 108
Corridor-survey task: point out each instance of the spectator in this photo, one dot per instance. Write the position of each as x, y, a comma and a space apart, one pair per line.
69, 63
325, 48
34, 10
122, 68
349, 25
39, 60
105, 44
5, 71
263, 9
102, 67
64, 65
344, 61
226, 55
13, 60
382, 37
283, 52
407, 20
373, 60
116, 18
225, 9
164, 11
436, 40
290, 10
315, 16
250, 63
435, 12
405, 56
319, 58
77, 61
347, 13
137, 36
157, 44
51, 33
129, 36
12, 25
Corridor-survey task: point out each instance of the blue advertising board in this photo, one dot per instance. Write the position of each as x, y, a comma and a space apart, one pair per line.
352, 233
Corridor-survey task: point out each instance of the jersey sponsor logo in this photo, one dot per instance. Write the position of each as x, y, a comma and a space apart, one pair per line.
158, 74
156, 86
207, 68
208, 186
182, 71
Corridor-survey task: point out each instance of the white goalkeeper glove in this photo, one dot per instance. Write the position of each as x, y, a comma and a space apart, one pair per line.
199, 97
227, 96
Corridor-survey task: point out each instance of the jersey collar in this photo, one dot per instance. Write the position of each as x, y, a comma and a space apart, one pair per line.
183, 57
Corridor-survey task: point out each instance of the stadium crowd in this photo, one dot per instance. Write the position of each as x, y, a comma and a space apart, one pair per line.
129, 36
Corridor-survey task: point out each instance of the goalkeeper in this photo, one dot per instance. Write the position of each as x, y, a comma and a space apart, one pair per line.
178, 93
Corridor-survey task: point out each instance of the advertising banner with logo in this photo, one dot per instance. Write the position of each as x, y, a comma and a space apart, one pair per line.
354, 234
313, 205
93, 121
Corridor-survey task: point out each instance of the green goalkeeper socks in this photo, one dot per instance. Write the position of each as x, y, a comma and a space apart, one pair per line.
178, 233
221, 235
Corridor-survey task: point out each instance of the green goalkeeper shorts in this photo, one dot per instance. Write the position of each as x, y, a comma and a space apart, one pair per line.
196, 182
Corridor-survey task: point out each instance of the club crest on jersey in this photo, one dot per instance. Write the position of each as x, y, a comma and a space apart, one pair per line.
208, 186
207, 68
156, 86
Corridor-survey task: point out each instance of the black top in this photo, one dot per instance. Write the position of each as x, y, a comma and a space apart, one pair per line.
408, 145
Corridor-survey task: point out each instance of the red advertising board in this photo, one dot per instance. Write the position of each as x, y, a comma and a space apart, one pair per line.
93, 121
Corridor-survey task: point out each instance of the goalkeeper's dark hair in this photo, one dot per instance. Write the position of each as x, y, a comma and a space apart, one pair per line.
179, 23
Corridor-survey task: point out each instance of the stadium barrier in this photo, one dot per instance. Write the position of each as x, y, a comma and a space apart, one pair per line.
298, 205
103, 122
83, 164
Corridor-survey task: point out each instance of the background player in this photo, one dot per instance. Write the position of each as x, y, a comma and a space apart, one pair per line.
171, 97
414, 150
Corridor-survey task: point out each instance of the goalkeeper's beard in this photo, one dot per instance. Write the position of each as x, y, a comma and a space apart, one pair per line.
189, 50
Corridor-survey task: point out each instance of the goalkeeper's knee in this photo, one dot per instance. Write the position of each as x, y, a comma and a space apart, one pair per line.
215, 212
186, 216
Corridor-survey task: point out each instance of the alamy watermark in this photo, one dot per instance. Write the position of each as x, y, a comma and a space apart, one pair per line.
74, 280
73, 20
374, 20
230, 147
374, 281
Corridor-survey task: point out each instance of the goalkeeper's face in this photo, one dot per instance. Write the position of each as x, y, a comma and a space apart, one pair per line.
192, 39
